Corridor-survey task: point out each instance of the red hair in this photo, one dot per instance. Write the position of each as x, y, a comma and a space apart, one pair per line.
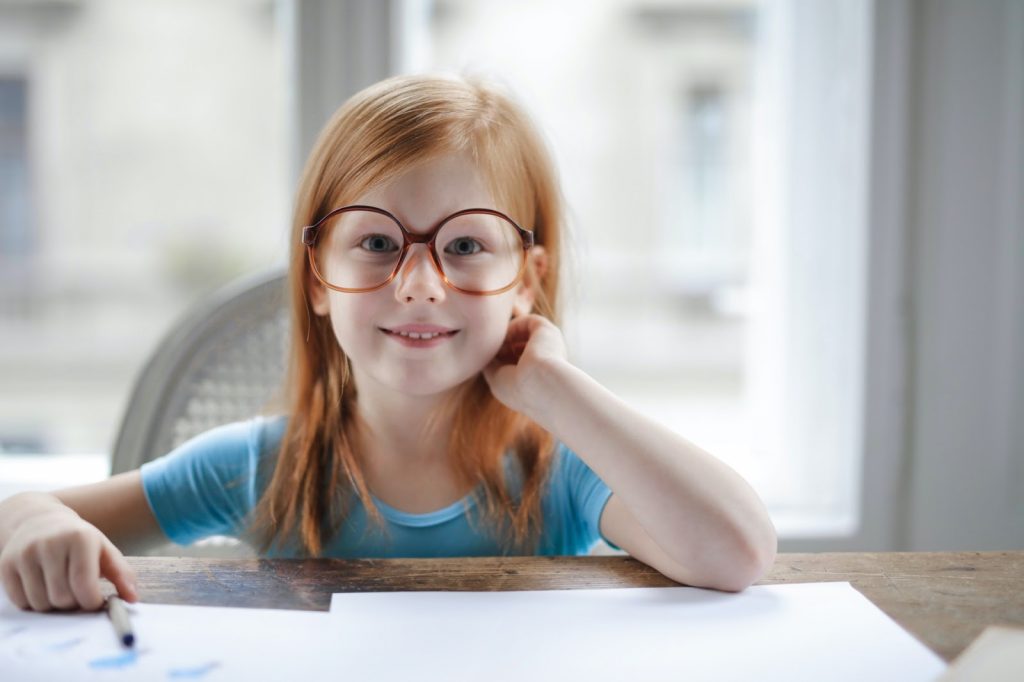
375, 136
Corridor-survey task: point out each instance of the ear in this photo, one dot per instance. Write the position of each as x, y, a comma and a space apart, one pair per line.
526, 293
318, 300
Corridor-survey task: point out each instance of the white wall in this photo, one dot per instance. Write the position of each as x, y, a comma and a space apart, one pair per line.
943, 422
965, 434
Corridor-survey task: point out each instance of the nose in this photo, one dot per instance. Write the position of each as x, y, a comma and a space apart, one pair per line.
419, 279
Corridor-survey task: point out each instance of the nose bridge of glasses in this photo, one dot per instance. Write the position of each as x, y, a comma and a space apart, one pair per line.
419, 257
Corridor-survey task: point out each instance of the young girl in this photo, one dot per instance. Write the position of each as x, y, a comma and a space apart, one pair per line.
432, 410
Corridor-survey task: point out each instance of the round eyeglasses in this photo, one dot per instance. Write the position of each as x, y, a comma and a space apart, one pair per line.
358, 249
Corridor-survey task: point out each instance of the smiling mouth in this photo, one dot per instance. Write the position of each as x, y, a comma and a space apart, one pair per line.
420, 336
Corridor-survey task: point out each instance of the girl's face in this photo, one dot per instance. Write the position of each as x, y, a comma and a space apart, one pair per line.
473, 328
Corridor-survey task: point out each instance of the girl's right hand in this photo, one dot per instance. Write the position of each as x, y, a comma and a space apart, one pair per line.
54, 560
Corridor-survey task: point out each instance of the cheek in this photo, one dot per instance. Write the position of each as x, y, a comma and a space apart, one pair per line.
349, 315
492, 326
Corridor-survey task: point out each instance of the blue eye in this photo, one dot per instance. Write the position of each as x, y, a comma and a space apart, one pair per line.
378, 243
463, 246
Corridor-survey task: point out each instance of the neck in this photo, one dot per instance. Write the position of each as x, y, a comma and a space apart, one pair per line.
400, 426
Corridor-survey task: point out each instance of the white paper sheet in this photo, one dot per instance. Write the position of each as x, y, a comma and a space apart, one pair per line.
810, 631
173, 643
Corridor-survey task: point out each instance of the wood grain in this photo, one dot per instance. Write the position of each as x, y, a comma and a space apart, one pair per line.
945, 599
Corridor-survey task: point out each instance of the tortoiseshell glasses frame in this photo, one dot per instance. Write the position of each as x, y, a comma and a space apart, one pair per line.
310, 234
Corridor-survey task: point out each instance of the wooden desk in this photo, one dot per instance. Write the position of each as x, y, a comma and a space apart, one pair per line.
945, 599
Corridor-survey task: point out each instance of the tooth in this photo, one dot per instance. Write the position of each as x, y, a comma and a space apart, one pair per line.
423, 336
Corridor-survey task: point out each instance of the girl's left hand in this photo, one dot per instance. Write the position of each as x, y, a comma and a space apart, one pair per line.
533, 345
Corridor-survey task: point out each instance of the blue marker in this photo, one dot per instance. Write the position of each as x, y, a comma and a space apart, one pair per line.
118, 613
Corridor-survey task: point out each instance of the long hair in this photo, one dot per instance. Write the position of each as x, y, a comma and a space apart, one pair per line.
374, 137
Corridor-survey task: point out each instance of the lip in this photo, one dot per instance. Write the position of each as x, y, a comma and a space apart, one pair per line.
395, 333
419, 329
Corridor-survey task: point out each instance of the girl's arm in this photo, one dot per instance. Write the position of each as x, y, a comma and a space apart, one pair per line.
117, 506
55, 547
674, 506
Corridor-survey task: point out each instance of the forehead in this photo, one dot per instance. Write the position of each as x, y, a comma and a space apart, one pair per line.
428, 192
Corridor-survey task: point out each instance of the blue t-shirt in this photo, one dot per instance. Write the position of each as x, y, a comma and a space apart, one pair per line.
211, 484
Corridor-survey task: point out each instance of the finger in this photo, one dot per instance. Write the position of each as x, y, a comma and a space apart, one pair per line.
509, 353
12, 584
516, 339
55, 574
496, 377
521, 328
115, 568
35, 586
84, 575
534, 321
491, 370
537, 329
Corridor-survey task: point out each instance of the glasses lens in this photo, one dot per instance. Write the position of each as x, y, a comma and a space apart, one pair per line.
358, 249
480, 252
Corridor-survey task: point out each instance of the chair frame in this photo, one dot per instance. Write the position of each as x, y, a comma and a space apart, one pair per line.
137, 439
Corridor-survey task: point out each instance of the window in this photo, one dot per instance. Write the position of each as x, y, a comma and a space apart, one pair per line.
712, 156
15, 220
147, 150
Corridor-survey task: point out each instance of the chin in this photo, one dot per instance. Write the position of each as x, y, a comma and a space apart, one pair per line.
422, 384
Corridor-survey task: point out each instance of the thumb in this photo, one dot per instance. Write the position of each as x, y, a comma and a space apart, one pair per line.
115, 568
496, 371
501, 380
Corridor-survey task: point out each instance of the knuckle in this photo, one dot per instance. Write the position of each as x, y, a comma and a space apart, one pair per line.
30, 555
18, 599
38, 602
83, 586
78, 573
61, 597
12, 585
90, 600
27, 562
49, 546
83, 535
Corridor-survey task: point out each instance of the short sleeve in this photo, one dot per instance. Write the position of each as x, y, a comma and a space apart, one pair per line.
585, 495
206, 486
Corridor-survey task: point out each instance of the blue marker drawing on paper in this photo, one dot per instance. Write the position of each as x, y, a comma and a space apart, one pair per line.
65, 645
123, 660
192, 673
13, 631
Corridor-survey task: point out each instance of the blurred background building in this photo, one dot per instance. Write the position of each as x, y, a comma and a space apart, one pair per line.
145, 163
767, 200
